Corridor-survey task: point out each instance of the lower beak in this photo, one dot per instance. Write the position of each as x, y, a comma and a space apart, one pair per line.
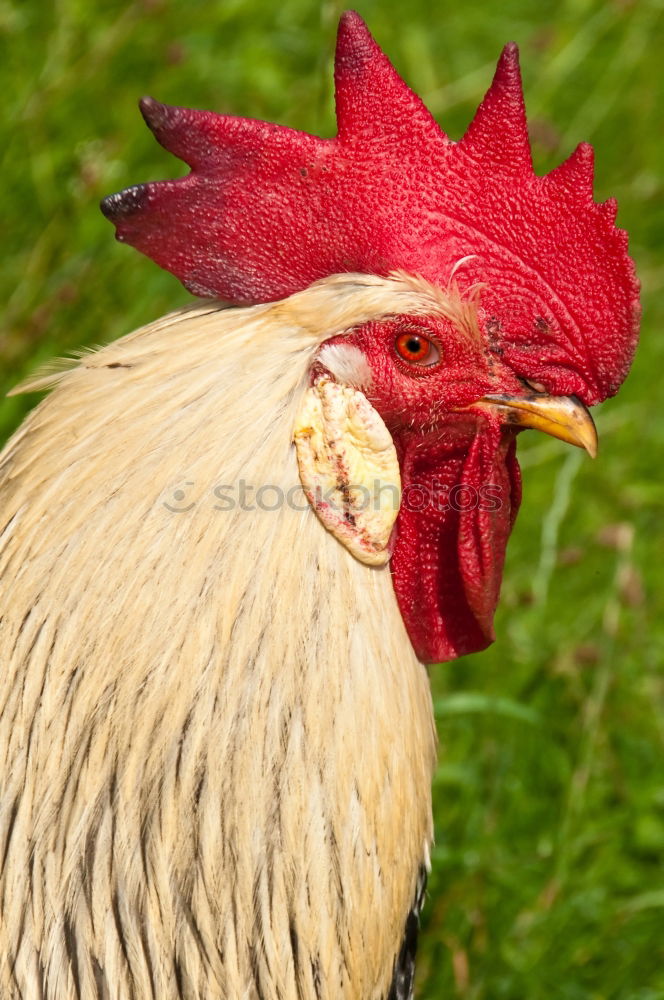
563, 417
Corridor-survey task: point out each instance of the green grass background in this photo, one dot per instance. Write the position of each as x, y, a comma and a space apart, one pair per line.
549, 796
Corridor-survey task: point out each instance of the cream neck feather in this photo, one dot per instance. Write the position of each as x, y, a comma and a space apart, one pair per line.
217, 741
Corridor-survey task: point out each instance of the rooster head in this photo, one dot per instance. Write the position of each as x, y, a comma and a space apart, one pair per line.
534, 309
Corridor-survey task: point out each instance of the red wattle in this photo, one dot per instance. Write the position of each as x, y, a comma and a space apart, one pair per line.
459, 504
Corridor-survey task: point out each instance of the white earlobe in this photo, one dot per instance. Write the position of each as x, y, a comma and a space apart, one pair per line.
349, 468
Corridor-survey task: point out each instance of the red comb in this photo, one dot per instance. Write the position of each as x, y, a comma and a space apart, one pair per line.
267, 210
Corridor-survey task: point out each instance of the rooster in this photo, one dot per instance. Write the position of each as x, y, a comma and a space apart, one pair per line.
231, 541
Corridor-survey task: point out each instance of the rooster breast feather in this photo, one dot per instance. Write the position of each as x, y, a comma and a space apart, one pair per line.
199, 704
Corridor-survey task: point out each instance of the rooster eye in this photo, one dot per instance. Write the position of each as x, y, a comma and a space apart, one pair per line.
416, 348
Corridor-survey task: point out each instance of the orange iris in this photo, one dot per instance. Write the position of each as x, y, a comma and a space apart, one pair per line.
416, 348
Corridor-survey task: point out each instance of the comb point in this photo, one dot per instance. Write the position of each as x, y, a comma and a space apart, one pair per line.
372, 100
121, 206
498, 134
196, 137
576, 174
155, 114
609, 210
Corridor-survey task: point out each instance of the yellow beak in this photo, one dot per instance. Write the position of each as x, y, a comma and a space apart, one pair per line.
563, 417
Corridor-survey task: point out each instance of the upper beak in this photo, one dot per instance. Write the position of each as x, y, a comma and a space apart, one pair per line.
563, 417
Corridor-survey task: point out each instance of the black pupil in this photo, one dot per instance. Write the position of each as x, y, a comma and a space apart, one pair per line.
414, 345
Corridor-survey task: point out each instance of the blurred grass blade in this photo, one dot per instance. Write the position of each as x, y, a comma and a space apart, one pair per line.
474, 702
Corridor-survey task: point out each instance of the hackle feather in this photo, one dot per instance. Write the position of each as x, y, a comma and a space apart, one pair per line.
217, 742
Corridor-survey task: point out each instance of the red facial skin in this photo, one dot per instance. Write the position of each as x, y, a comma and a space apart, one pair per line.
460, 481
